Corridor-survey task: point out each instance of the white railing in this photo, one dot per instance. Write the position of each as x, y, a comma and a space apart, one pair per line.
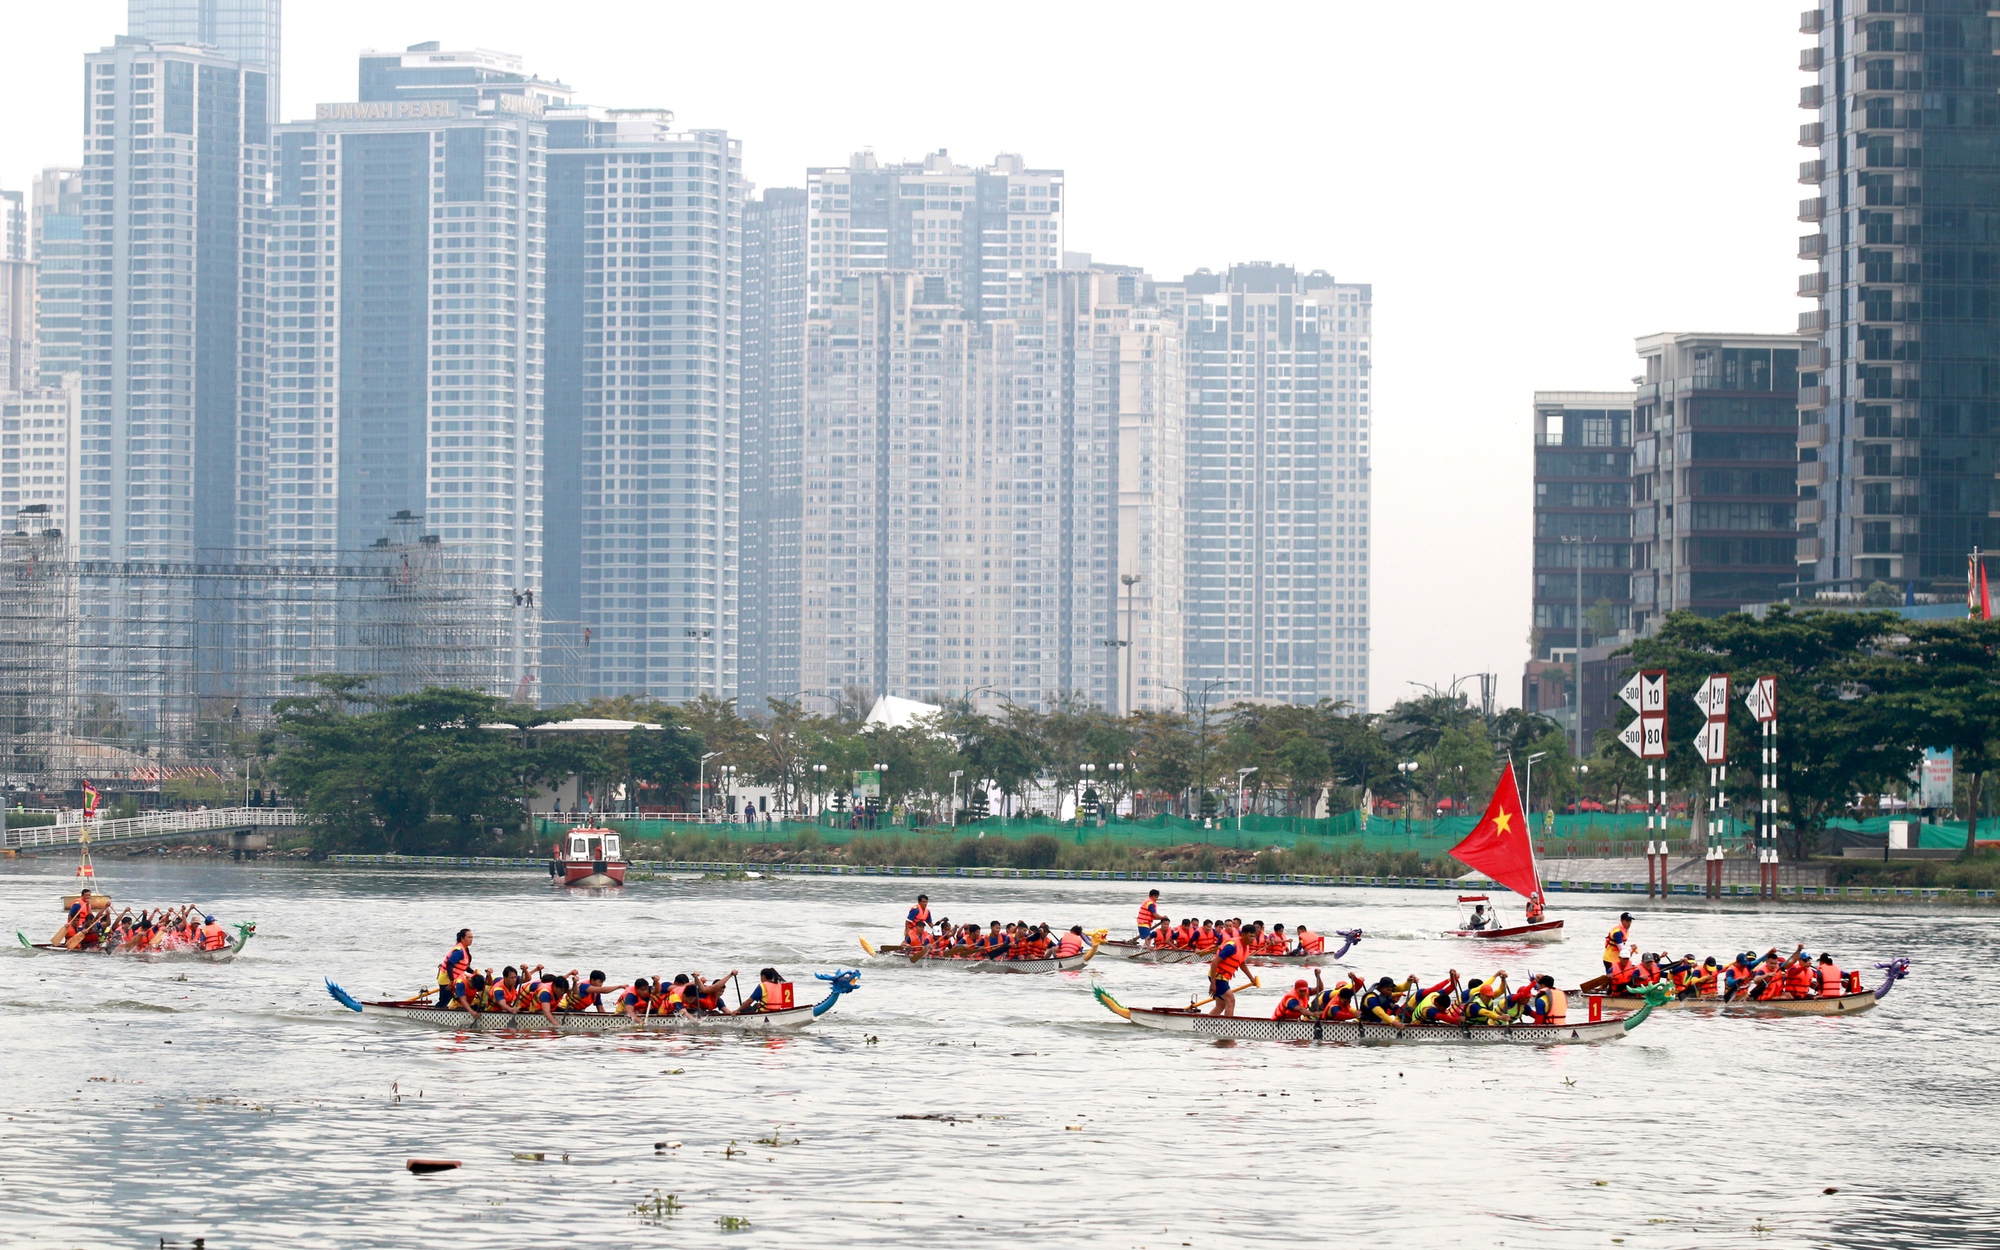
151, 825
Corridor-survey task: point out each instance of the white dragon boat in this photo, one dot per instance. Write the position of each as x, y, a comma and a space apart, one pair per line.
1356, 1032
964, 957
777, 1021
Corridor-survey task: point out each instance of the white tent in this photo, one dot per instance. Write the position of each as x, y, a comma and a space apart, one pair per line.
894, 712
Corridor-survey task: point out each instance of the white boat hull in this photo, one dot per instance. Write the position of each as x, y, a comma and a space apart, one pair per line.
591, 1021
1547, 931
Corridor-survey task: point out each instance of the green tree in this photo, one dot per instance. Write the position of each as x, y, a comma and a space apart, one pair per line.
1839, 738
1950, 686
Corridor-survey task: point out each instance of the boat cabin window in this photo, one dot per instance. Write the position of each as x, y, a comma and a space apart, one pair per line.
579, 846
610, 841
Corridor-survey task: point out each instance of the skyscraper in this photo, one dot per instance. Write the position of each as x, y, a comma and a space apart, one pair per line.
645, 380
1583, 528
406, 284
774, 325
245, 31
17, 295
1715, 505
985, 233
1899, 435
175, 168
60, 253
1278, 497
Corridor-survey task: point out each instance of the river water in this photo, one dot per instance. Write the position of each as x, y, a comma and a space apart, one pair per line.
243, 1106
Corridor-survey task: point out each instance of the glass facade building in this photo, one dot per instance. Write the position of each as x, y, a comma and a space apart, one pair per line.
1899, 383
174, 186
59, 251
246, 31
1714, 519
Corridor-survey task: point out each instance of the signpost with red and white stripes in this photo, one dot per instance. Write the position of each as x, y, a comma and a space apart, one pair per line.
1646, 694
1762, 699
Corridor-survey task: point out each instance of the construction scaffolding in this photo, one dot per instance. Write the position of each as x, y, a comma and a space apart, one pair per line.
126, 672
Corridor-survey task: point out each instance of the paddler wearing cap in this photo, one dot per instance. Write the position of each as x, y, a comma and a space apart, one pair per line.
1295, 1003
1617, 942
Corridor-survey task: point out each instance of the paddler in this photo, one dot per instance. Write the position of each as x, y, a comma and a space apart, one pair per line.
1296, 1002
1831, 982
213, 936
636, 999
1150, 918
1228, 961
1548, 1005
1336, 1004
917, 923
759, 999
1384, 1003
1617, 942
455, 966
1071, 944
1310, 943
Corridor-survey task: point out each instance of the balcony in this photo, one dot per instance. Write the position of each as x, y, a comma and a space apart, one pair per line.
1812, 285
1812, 397
1812, 356
1811, 511
1816, 434
1808, 550
1813, 209
1812, 322
1812, 474
1811, 97
1891, 196
1812, 173
1812, 134
1812, 21
1811, 59
1812, 246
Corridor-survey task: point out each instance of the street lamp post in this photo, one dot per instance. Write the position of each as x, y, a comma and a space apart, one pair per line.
1117, 781
1083, 779
882, 807
701, 787
819, 790
1130, 580
956, 773
1242, 777
1409, 770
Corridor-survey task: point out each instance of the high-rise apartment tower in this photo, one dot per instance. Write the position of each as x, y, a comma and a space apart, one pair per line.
1899, 394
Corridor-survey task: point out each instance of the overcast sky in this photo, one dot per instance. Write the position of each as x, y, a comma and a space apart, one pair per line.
1528, 187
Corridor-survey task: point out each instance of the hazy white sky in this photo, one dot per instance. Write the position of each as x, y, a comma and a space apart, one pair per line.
1527, 187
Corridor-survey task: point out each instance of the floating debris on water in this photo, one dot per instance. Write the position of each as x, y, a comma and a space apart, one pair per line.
656, 1207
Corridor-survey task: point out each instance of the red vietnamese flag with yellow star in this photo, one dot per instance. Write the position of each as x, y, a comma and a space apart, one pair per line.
1498, 844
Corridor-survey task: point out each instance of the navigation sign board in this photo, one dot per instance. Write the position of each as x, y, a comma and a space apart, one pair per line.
1653, 691
1630, 693
1712, 742
1654, 747
1762, 698
1634, 738
1713, 697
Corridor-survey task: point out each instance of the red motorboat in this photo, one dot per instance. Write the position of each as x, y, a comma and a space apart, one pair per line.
589, 857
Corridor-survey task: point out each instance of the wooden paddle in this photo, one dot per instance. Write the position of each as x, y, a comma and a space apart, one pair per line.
1254, 984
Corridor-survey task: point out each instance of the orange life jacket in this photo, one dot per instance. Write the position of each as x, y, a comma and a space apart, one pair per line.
1831, 983
1290, 1007
1311, 943
214, 937
1227, 966
1706, 981
1206, 940
1799, 980
1070, 945
1149, 914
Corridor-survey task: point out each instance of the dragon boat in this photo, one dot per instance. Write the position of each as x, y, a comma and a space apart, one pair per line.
1357, 1032
1853, 1003
965, 957
244, 932
776, 1021
1140, 953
